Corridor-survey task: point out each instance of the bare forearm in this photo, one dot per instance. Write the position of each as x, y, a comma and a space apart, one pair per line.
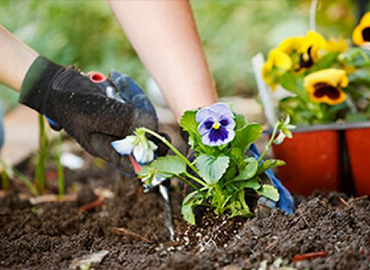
15, 59
164, 34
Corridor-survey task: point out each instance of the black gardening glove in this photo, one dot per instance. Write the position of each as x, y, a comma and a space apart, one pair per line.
71, 100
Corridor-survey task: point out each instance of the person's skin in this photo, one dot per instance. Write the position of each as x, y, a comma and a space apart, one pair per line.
164, 35
15, 58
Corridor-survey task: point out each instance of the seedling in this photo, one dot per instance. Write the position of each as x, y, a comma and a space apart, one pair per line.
42, 154
221, 174
60, 167
44, 146
13, 173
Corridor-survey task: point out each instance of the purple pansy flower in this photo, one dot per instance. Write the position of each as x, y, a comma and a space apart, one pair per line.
216, 124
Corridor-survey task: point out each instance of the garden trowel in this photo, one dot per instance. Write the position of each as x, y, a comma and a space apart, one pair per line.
163, 184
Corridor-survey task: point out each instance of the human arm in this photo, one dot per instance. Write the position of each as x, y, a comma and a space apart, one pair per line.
15, 59
165, 37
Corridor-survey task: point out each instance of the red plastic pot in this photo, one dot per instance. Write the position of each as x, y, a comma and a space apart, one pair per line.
358, 142
312, 160
327, 157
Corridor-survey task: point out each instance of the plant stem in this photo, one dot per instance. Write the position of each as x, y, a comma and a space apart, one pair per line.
60, 167
24, 179
186, 181
40, 169
196, 179
14, 173
269, 143
169, 145
5, 181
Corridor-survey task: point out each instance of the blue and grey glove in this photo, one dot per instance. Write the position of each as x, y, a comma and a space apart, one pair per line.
286, 202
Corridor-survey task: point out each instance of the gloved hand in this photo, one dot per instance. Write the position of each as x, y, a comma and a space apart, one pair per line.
73, 102
285, 202
129, 91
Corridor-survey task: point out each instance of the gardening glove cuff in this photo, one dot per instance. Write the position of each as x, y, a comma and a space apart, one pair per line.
37, 83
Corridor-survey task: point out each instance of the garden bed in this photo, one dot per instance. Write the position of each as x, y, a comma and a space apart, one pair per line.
52, 235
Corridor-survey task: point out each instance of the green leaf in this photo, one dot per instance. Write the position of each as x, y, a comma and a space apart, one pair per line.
269, 192
246, 136
187, 213
190, 125
211, 169
188, 122
236, 186
269, 164
360, 76
325, 62
238, 206
230, 172
356, 117
291, 83
169, 164
253, 184
192, 196
240, 122
249, 170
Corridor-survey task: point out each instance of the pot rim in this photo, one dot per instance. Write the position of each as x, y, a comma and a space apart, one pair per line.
327, 127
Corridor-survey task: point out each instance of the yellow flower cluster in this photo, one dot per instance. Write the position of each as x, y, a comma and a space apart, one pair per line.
297, 54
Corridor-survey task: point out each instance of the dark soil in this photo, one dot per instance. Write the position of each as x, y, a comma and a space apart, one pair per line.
51, 235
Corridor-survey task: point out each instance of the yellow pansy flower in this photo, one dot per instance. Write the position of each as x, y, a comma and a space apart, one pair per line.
277, 63
336, 45
280, 60
361, 34
324, 86
311, 49
291, 44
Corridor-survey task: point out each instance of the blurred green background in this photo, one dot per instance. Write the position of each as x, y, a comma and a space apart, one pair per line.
86, 34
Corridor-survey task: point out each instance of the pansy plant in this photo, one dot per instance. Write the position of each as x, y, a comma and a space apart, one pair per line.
328, 81
222, 175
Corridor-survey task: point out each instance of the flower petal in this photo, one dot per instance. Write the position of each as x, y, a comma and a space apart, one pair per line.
331, 76
139, 153
222, 109
230, 137
218, 137
227, 122
125, 146
148, 156
206, 112
206, 140
206, 126
152, 145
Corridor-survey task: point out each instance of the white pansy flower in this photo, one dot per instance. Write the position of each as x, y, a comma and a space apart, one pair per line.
138, 145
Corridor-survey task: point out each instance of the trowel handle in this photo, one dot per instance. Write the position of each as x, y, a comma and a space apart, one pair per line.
105, 85
99, 79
